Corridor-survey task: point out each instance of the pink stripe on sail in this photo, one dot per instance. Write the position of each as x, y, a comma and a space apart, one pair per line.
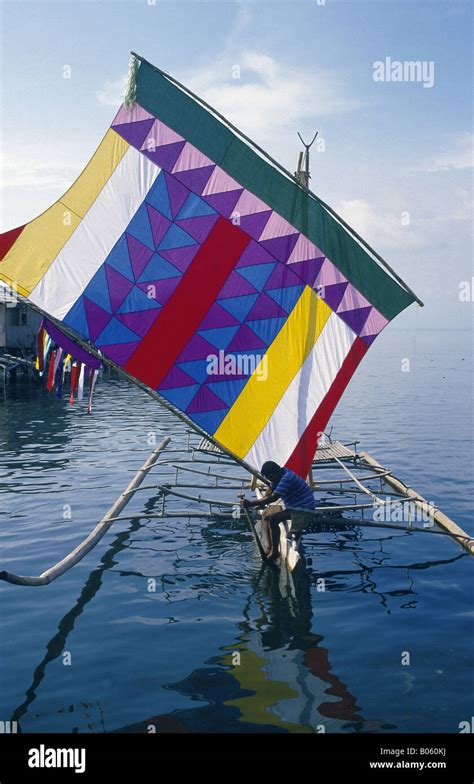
220, 182
352, 300
374, 324
303, 250
248, 204
159, 135
329, 274
134, 114
276, 227
191, 158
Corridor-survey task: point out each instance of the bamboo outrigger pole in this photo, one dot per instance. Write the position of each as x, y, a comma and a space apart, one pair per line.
443, 520
96, 535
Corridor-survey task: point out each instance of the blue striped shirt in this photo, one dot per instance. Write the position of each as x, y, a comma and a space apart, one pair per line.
294, 490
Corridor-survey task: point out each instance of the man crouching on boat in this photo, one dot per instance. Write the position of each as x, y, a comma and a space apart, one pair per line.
295, 493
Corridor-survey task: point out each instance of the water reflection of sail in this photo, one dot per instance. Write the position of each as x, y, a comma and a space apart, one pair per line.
279, 648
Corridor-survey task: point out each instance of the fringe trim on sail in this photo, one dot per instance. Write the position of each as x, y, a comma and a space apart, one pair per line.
131, 83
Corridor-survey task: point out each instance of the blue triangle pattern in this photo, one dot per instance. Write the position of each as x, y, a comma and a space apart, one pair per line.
287, 297
194, 207
209, 420
228, 391
179, 396
97, 290
76, 318
257, 274
139, 227
137, 300
158, 268
220, 337
266, 329
196, 368
239, 306
176, 237
116, 332
158, 197
119, 259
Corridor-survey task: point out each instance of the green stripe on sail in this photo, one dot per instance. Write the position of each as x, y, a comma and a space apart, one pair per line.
183, 114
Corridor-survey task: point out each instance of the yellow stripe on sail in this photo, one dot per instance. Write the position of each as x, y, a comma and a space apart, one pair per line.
105, 160
42, 239
275, 371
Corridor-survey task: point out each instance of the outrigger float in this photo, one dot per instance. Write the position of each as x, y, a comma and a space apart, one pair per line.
352, 491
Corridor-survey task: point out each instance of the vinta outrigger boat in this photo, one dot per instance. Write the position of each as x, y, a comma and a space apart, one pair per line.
197, 267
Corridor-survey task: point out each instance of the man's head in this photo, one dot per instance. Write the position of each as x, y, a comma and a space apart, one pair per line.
271, 471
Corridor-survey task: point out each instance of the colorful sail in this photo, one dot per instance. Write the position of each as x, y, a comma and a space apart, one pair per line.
205, 272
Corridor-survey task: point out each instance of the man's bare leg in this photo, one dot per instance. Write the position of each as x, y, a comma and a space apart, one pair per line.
271, 522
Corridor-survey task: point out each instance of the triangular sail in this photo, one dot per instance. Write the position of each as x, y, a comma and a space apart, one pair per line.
204, 272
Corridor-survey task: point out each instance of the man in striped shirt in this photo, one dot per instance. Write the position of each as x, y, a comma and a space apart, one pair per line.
294, 492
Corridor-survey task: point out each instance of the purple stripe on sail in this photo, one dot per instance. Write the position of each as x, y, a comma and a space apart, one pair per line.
70, 347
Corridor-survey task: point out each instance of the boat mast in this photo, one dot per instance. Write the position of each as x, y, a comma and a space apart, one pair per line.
302, 174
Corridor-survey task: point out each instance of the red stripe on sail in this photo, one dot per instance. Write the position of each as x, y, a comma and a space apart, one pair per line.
182, 314
8, 239
302, 456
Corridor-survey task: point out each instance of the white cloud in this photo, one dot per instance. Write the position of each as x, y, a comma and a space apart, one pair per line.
112, 93
382, 228
29, 173
271, 98
387, 228
459, 155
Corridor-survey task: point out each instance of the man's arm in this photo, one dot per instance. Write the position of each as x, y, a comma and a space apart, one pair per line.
265, 501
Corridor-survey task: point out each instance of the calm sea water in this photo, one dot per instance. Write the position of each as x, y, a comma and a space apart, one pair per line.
97, 651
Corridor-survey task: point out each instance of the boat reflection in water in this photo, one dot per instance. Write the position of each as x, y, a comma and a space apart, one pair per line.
276, 678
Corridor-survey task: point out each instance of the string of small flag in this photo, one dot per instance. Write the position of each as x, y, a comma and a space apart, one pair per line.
60, 359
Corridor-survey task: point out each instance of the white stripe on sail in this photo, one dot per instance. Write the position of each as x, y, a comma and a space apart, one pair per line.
90, 244
303, 396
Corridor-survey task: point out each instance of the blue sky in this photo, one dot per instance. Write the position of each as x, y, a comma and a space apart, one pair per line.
390, 149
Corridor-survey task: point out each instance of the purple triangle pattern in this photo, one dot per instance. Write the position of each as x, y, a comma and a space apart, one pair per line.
166, 156
135, 133
197, 348
198, 228
195, 179
369, 339
245, 340
180, 258
120, 352
139, 255
236, 286
255, 224
282, 277
281, 247
224, 202
159, 224
119, 287
355, 319
217, 317
97, 318
139, 321
308, 270
176, 378
205, 400
177, 193
160, 290
254, 254
265, 308
333, 294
